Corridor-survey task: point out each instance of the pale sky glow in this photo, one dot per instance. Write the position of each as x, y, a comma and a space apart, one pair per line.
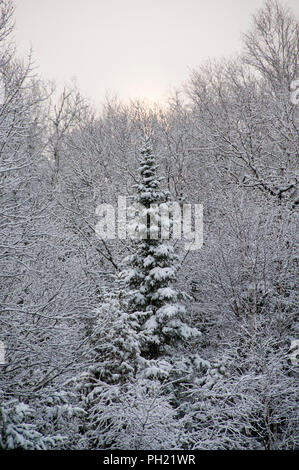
135, 48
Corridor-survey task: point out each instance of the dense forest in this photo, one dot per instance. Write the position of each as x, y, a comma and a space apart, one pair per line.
136, 342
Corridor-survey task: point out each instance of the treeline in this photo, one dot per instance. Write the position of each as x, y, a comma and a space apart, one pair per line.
140, 345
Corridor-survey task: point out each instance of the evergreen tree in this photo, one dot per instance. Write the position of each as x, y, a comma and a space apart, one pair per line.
19, 427
154, 302
113, 350
113, 346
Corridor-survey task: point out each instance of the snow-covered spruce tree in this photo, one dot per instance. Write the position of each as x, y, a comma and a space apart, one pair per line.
113, 345
112, 350
154, 303
19, 429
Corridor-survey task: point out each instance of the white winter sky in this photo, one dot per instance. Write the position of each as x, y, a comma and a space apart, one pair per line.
135, 48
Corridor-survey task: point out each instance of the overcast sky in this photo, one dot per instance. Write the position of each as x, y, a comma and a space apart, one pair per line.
137, 48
